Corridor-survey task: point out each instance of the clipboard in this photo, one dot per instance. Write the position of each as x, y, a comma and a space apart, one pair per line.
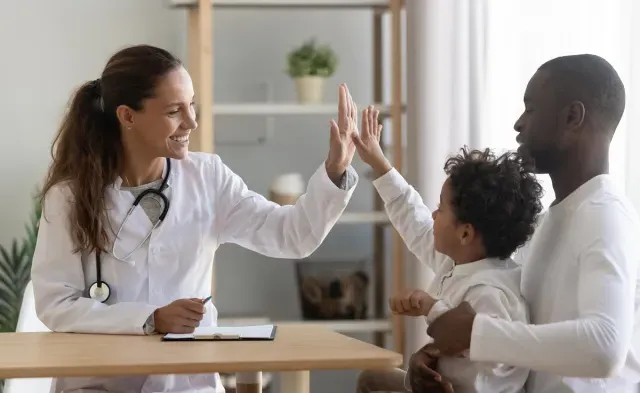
227, 333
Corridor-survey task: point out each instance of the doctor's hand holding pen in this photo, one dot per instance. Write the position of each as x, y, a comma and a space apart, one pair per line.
181, 316
343, 132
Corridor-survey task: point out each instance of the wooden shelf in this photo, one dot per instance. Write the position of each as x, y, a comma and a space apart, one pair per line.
287, 3
274, 109
340, 326
364, 218
200, 15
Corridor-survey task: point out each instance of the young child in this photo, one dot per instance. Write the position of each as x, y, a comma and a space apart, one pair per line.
488, 209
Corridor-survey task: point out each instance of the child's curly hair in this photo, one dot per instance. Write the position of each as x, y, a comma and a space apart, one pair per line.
499, 196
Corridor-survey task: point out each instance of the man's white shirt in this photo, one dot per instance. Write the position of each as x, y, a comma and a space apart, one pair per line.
580, 280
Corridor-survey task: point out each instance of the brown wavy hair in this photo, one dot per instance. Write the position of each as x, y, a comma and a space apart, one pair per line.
87, 150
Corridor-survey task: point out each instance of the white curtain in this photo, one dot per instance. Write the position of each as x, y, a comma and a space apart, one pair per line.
468, 64
445, 85
523, 34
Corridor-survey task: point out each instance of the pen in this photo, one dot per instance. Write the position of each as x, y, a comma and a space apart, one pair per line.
206, 300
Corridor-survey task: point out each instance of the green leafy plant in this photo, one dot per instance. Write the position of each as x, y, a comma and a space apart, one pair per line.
311, 59
15, 272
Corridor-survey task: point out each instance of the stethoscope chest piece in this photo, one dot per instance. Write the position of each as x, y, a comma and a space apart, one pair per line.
100, 293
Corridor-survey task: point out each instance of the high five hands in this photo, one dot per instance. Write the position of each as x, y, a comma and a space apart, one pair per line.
345, 139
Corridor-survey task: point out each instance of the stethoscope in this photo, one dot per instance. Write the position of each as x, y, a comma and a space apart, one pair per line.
100, 290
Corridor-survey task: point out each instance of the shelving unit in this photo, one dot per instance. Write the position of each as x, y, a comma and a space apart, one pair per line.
201, 65
285, 109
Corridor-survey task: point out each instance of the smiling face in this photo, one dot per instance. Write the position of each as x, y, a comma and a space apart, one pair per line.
162, 126
542, 134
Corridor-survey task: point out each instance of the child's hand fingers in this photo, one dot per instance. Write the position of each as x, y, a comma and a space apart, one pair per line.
373, 120
406, 304
363, 122
358, 141
377, 127
414, 299
394, 305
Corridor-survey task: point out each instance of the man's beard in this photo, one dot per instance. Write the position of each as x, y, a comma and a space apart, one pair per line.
545, 161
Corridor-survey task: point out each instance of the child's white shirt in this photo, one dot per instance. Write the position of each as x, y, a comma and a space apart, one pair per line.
490, 286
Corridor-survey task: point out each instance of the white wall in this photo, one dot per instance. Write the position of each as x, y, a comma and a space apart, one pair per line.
48, 49
39, 70
250, 50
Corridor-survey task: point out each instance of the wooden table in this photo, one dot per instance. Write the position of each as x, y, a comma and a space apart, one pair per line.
295, 351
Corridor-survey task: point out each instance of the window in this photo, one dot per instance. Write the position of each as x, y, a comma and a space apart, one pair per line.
521, 35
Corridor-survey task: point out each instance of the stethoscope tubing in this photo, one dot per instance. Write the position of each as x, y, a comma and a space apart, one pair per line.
100, 290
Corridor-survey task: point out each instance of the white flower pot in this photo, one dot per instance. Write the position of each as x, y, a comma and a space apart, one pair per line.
287, 188
310, 89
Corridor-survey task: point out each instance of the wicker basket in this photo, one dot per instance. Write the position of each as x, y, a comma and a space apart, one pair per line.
333, 289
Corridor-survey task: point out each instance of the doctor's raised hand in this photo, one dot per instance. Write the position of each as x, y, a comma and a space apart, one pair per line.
132, 219
341, 145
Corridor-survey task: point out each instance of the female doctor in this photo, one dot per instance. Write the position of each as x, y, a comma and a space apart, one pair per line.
132, 219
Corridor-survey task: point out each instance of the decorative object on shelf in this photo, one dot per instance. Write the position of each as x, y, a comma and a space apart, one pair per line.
332, 289
287, 188
309, 65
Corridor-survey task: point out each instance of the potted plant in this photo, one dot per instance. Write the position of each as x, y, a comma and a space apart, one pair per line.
15, 273
309, 65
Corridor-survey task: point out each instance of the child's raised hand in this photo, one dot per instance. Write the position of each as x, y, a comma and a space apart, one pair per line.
368, 142
413, 303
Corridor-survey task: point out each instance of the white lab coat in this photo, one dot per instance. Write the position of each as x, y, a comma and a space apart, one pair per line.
210, 205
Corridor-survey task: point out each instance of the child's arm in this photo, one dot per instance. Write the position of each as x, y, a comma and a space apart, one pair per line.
406, 210
415, 303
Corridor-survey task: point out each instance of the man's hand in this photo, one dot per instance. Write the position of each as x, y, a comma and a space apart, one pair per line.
422, 375
451, 331
182, 316
341, 145
413, 303
368, 144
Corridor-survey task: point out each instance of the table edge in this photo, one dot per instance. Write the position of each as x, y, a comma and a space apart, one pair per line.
195, 368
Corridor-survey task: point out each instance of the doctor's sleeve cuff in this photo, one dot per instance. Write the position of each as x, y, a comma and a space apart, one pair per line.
349, 179
390, 185
345, 189
147, 325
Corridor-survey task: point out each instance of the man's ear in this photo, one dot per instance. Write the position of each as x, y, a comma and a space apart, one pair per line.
575, 116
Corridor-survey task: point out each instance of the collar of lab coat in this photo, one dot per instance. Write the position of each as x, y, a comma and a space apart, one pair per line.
473, 267
139, 225
117, 184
